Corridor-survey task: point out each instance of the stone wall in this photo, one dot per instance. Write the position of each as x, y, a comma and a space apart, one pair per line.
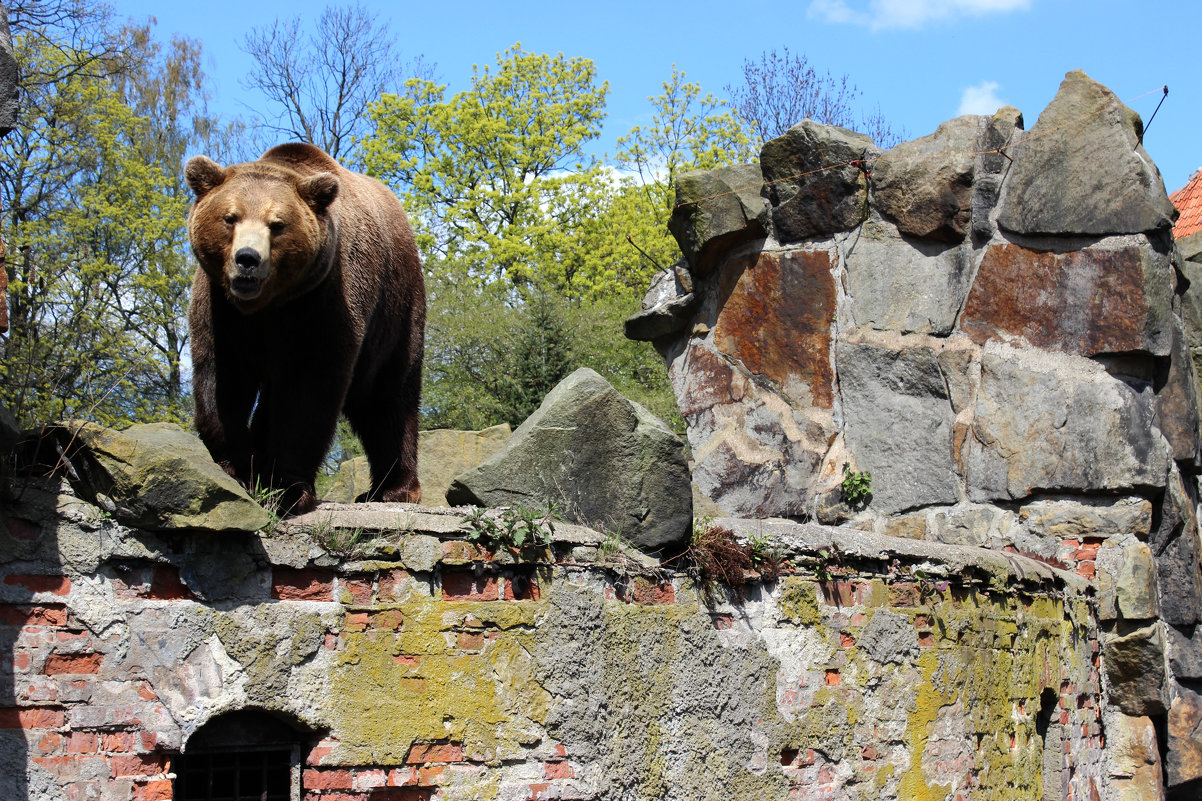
991, 323
423, 667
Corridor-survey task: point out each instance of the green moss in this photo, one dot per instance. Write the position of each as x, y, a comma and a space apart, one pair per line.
799, 601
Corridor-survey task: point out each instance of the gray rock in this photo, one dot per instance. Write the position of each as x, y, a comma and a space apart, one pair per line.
1135, 669
1176, 547
1184, 763
717, 210
992, 168
898, 422
902, 284
815, 180
889, 637
1189, 252
1083, 170
1064, 518
1177, 403
156, 476
1126, 578
925, 185
668, 318
1185, 653
1053, 422
599, 457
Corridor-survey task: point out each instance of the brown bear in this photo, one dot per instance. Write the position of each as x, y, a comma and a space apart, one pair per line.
309, 301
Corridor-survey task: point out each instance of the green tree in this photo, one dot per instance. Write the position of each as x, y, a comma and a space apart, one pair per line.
495, 176
93, 203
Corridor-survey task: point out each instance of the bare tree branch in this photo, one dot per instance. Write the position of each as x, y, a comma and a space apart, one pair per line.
318, 87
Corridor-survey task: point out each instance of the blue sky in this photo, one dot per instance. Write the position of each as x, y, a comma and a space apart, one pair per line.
922, 61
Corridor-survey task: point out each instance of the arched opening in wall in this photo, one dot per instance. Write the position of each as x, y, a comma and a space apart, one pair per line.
248, 755
1051, 731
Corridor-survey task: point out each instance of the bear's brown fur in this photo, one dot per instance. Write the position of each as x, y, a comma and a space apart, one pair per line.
309, 301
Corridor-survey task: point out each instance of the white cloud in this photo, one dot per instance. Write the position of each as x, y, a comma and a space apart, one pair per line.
908, 14
981, 99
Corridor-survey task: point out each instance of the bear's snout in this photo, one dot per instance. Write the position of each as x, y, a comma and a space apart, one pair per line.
247, 259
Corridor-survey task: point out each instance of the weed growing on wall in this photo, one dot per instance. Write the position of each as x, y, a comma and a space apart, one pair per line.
857, 486
514, 527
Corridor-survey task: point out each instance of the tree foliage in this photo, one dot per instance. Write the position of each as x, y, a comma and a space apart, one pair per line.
93, 204
320, 85
782, 89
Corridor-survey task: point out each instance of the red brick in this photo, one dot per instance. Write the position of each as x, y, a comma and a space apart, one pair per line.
903, 594
55, 585
529, 589
370, 778
49, 743
20, 661
389, 619
561, 750
119, 742
83, 742
401, 794
723, 621
846, 640
1086, 569
471, 640
435, 752
558, 770
44, 615
402, 777
392, 585
165, 585
838, 593
360, 590
926, 639
320, 796
354, 621
302, 585
72, 663
649, 593
833, 678
430, 775
23, 529
153, 790
458, 585
146, 692
139, 765
328, 779
31, 717
540, 792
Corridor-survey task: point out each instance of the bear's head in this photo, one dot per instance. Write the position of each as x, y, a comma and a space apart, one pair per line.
261, 230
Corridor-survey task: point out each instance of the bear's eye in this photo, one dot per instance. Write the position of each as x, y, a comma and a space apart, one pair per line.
277, 227
231, 218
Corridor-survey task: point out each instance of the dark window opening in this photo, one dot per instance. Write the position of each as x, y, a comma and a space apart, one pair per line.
242, 756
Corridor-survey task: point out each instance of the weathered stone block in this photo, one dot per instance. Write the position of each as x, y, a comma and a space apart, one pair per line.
1134, 757
717, 210
1053, 422
1185, 740
1175, 544
775, 317
898, 421
1085, 302
1064, 518
815, 180
925, 185
1135, 669
1083, 170
904, 284
1126, 579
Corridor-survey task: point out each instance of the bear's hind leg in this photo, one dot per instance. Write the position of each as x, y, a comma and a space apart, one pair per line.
387, 424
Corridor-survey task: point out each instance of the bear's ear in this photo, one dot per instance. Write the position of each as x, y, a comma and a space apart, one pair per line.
203, 175
319, 190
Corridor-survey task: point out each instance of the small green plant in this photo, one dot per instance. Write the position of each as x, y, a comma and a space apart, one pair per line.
828, 558
765, 557
269, 499
344, 541
857, 486
611, 546
514, 527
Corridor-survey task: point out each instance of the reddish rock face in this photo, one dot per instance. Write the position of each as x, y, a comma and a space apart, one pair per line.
776, 319
1084, 302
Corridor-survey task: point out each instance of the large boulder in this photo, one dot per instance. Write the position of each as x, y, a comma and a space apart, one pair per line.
1083, 170
816, 179
600, 459
153, 476
717, 210
925, 186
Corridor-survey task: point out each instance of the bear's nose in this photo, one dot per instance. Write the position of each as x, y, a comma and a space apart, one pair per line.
247, 258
